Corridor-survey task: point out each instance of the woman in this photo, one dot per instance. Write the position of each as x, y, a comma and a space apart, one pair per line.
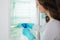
52, 10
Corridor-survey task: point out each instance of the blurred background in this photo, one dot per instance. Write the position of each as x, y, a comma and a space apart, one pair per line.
25, 20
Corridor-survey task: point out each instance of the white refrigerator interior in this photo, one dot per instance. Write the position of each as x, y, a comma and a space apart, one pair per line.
24, 20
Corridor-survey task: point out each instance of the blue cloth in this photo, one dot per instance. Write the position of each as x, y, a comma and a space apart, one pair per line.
25, 25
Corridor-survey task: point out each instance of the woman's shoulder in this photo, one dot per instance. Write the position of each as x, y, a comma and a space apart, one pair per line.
53, 26
53, 22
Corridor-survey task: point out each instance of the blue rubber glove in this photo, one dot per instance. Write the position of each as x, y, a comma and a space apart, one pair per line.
28, 34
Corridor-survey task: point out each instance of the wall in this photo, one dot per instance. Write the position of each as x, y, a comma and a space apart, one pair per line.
4, 17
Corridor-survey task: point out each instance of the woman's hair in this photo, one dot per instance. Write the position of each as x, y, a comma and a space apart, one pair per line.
53, 6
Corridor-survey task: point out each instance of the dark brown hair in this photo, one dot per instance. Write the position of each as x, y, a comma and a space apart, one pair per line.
53, 6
